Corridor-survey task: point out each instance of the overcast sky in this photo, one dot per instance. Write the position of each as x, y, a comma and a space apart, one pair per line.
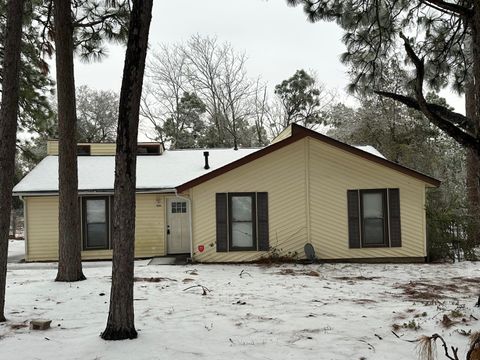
276, 38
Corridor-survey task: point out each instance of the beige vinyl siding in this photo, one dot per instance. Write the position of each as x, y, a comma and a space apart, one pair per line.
333, 172
52, 147
97, 149
287, 132
282, 175
150, 225
42, 228
309, 203
102, 149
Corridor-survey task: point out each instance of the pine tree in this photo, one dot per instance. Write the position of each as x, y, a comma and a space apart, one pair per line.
120, 323
8, 130
441, 44
84, 33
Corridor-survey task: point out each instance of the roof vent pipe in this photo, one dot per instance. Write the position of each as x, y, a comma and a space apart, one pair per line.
206, 167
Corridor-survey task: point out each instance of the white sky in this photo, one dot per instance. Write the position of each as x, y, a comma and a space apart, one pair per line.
276, 38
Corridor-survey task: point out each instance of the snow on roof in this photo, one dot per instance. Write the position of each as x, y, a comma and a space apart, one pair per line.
166, 171
370, 149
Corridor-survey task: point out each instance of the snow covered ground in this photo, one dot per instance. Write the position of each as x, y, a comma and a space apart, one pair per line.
333, 311
16, 250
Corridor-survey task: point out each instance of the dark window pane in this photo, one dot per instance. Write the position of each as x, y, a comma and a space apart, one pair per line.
374, 232
97, 236
373, 218
96, 227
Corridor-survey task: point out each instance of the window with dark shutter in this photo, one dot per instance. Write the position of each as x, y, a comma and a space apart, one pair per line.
222, 222
242, 221
262, 221
374, 218
373, 212
353, 219
394, 217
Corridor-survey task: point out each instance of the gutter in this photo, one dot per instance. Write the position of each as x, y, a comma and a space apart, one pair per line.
92, 192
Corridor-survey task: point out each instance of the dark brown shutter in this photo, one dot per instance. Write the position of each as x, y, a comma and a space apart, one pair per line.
394, 217
353, 219
222, 222
262, 221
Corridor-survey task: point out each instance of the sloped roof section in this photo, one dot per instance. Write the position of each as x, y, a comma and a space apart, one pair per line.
157, 172
296, 132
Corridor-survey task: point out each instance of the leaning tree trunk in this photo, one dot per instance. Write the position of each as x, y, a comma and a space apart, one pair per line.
8, 130
69, 243
120, 323
473, 170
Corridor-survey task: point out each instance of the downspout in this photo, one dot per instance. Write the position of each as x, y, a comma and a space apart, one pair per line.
190, 220
24, 224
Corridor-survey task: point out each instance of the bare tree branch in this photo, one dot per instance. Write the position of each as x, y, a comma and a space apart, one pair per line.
455, 132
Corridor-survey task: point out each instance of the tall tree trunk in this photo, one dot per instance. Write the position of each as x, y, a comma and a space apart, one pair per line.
475, 93
473, 169
13, 224
69, 243
120, 323
8, 130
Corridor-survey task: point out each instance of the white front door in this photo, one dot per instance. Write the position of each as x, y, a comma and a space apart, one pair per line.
178, 229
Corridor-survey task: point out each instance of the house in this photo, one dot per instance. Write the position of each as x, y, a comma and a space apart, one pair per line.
225, 205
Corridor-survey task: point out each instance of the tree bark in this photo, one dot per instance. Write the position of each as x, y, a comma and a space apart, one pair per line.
473, 108
8, 130
473, 169
13, 223
120, 323
69, 242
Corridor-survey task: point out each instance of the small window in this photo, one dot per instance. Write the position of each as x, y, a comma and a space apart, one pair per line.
374, 218
179, 207
96, 225
242, 221
83, 150
149, 149
373, 210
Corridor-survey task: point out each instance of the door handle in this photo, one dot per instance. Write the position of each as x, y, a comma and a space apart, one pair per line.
168, 229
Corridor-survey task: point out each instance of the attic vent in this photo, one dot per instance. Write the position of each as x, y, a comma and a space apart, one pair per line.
83, 150
149, 149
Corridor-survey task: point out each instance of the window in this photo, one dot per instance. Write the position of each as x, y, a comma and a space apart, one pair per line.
242, 222
83, 150
96, 224
374, 218
179, 207
149, 149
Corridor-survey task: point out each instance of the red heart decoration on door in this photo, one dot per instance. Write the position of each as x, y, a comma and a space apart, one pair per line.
201, 248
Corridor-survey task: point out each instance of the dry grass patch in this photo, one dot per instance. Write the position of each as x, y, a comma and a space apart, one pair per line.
299, 272
152, 279
367, 278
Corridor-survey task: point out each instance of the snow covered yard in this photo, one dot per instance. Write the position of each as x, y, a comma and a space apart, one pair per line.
333, 311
